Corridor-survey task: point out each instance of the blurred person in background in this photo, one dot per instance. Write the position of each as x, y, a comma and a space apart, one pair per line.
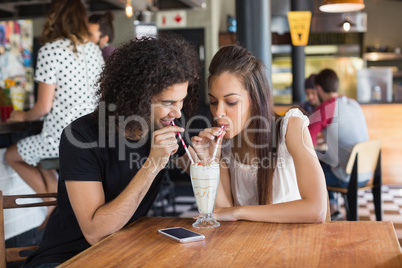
67, 68
342, 122
312, 100
102, 32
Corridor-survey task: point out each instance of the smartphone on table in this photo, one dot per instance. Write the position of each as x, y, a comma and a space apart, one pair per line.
181, 234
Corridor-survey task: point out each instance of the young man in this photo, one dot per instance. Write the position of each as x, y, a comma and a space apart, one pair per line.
112, 162
101, 31
342, 122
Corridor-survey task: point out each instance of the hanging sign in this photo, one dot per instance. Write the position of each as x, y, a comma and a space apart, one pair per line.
299, 24
171, 19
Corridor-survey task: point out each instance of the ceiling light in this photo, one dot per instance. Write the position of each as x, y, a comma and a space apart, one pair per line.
338, 6
347, 24
129, 9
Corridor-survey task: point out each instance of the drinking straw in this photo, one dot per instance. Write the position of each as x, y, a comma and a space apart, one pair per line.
184, 145
217, 143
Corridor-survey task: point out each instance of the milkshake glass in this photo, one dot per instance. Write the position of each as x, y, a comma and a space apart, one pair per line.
205, 180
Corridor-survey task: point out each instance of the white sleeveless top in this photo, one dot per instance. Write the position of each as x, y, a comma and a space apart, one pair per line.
243, 178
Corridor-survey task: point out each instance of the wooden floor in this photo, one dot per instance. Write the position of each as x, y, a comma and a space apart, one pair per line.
391, 205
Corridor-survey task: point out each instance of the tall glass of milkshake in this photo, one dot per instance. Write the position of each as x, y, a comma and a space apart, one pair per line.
205, 180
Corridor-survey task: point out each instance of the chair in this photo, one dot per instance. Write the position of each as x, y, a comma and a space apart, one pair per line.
8, 202
328, 215
165, 198
365, 157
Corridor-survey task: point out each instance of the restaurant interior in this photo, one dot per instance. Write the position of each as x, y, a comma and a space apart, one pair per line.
363, 47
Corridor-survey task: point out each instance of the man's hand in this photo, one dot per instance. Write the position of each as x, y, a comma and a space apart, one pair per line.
164, 144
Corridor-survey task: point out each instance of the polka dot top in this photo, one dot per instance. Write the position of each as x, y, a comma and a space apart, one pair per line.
74, 75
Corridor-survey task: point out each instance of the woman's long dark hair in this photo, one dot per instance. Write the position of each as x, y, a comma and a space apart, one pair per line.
239, 62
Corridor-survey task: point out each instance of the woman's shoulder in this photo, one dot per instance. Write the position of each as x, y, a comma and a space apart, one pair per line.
290, 116
59, 46
295, 112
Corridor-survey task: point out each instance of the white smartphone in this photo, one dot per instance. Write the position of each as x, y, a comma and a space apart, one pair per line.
181, 234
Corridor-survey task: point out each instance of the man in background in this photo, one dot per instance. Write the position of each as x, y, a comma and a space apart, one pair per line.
342, 122
102, 33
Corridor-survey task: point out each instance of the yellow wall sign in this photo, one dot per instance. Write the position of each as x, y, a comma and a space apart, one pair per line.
299, 24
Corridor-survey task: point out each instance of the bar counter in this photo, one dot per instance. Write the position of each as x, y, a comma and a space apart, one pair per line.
9, 128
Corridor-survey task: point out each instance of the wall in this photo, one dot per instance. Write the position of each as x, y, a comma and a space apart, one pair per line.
17, 221
228, 7
383, 22
208, 19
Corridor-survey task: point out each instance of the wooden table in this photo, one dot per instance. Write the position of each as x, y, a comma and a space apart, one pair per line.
247, 244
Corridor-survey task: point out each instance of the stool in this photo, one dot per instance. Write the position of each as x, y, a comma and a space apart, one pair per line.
49, 163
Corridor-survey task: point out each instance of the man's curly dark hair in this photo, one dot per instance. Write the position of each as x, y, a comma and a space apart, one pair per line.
143, 68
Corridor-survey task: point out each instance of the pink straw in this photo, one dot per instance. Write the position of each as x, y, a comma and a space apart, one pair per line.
217, 143
184, 145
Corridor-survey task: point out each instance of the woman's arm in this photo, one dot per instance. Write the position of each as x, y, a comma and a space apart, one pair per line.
42, 106
312, 206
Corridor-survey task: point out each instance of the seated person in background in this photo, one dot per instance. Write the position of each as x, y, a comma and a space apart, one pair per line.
102, 32
311, 95
65, 91
112, 162
342, 122
269, 170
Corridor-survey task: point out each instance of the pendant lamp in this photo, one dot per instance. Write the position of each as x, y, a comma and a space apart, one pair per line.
338, 6
129, 9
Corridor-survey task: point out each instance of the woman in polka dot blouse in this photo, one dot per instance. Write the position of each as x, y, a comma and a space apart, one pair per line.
67, 69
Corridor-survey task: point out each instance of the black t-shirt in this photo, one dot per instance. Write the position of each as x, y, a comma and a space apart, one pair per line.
86, 154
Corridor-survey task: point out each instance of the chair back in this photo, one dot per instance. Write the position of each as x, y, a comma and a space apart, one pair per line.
328, 215
368, 153
12, 201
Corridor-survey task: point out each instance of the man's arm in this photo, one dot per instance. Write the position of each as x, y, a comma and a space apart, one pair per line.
98, 219
316, 125
321, 118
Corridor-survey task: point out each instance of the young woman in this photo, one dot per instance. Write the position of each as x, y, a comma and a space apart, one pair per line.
269, 169
67, 69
